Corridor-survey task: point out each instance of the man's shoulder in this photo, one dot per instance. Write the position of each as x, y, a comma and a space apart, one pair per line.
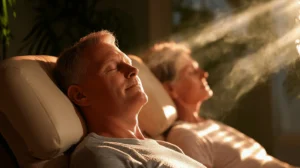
86, 145
98, 152
96, 144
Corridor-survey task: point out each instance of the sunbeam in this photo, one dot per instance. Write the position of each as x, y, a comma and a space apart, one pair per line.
221, 27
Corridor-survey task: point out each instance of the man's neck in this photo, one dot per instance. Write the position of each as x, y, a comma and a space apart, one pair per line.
115, 127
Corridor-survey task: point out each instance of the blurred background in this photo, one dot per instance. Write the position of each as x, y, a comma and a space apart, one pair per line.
249, 47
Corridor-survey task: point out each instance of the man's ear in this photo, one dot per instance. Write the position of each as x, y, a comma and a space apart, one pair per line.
77, 96
169, 87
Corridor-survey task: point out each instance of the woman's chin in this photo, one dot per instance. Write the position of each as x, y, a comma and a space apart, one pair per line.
208, 95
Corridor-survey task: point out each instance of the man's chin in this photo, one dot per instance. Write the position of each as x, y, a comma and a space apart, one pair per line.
144, 99
141, 98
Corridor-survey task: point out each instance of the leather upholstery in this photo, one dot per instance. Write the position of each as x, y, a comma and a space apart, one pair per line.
160, 112
39, 122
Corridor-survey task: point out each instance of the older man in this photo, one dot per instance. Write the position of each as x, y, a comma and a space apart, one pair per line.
99, 79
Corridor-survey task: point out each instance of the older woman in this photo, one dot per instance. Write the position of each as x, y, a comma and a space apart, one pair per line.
210, 142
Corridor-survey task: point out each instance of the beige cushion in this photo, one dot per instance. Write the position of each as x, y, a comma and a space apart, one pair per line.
40, 123
44, 120
159, 113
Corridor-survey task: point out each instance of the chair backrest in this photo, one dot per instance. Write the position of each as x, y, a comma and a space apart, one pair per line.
160, 112
39, 122
36, 119
7, 158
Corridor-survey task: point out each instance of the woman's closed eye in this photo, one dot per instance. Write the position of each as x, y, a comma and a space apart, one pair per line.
193, 72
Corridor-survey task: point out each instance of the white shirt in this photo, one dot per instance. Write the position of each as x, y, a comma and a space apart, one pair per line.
102, 152
220, 146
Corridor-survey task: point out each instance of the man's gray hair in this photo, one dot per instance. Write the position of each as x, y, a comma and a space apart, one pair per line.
163, 57
71, 66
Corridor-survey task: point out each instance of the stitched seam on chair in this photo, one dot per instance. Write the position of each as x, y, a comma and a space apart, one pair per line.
45, 111
32, 90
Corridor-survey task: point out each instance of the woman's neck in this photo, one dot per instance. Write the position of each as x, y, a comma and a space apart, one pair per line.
189, 112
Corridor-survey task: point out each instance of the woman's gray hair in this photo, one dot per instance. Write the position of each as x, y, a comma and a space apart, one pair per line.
70, 65
163, 57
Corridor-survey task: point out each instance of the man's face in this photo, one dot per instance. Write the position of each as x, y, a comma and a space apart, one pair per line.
111, 84
190, 84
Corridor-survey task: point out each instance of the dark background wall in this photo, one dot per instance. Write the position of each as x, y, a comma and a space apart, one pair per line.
143, 22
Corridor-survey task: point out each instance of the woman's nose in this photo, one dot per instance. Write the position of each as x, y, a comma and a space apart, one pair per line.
206, 74
203, 74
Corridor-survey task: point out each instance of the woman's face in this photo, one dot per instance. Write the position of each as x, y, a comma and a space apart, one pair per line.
190, 84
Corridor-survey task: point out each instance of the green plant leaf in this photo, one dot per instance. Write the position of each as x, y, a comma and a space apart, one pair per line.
42, 39
36, 26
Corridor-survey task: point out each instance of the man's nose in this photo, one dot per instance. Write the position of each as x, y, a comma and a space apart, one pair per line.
131, 71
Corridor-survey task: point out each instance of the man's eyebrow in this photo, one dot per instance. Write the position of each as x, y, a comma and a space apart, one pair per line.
125, 59
102, 65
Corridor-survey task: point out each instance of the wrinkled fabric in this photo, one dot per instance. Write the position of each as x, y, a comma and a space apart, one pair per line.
99, 152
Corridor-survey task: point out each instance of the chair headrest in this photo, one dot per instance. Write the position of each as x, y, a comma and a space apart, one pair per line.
160, 112
42, 115
46, 119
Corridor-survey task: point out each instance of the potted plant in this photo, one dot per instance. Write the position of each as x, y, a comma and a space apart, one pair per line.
5, 34
59, 23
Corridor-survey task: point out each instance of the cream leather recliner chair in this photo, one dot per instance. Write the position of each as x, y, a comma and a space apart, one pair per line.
40, 124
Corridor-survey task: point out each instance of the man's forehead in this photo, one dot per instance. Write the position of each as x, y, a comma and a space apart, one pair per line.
108, 40
118, 54
104, 51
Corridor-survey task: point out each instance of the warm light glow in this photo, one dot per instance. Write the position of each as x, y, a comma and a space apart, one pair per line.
248, 152
298, 48
186, 125
253, 66
212, 128
298, 41
268, 158
169, 111
261, 155
228, 139
221, 134
287, 8
298, 45
221, 27
238, 144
